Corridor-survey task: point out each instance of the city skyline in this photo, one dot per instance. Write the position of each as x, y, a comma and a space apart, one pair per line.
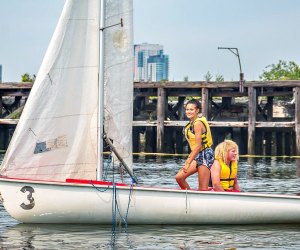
150, 63
190, 31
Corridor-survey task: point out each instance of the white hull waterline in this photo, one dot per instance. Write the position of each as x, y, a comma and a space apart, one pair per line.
69, 202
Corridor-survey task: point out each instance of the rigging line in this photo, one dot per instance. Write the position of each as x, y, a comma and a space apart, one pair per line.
114, 215
110, 163
129, 171
186, 201
115, 210
115, 206
119, 212
125, 221
116, 202
105, 176
129, 200
121, 24
98, 189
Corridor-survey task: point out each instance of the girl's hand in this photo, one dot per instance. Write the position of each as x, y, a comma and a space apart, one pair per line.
186, 166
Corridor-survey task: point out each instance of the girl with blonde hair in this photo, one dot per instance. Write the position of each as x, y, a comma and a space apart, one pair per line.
225, 167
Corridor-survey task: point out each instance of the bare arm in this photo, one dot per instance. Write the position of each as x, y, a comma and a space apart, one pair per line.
236, 184
215, 176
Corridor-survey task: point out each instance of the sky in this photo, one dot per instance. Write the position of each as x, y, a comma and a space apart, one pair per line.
264, 31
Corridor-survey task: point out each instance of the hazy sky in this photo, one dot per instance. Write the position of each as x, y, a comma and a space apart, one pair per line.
264, 31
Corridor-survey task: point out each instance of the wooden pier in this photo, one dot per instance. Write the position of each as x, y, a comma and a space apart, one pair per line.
13, 95
248, 117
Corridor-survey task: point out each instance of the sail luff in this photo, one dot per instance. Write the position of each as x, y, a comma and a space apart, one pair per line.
100, 126
119, 76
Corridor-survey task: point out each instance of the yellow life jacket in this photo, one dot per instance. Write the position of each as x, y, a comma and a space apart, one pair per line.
228, 174
206, 137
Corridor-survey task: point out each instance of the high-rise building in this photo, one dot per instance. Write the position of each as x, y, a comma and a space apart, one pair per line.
0, 73
150, 63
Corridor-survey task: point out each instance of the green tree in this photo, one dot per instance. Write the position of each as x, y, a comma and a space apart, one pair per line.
185, 78
163, 80
28, 78
208, 76
281, 71
219, 78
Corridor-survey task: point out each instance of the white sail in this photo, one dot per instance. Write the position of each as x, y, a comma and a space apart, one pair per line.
56, 137
118, 76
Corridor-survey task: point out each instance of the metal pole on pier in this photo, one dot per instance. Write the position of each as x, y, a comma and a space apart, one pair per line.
235, 51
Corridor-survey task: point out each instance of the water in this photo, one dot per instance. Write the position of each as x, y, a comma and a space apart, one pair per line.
267, 175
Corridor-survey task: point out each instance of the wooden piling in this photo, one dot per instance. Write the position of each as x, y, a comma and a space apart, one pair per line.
161, 114
251, 119
297, 119
205, 102
270, 108
1, 105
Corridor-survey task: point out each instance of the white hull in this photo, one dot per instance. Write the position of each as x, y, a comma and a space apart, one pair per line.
54, 202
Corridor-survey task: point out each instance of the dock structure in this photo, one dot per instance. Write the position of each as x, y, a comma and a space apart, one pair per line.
264, 119
13, 96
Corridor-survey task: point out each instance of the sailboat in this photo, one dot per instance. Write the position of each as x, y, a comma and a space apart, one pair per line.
52, 171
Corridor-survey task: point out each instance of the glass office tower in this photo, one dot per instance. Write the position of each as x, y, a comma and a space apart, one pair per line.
150, 64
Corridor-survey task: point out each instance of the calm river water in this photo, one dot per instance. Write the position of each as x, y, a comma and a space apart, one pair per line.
269, 175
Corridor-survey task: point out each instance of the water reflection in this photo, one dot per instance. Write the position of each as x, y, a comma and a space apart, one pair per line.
151, 237
298, 166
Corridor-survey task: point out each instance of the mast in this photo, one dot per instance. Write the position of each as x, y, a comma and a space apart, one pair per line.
100, 93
